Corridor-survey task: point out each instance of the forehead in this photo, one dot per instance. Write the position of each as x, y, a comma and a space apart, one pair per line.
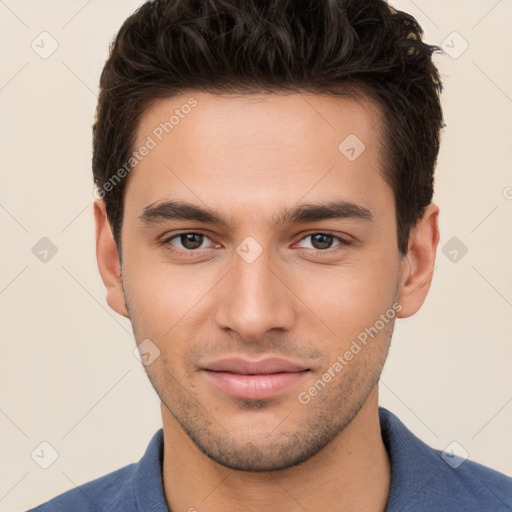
268, 118
258, 149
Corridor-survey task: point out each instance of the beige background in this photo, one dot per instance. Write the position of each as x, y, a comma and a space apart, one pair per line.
67, 372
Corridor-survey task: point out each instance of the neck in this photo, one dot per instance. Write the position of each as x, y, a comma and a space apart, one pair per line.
352, 472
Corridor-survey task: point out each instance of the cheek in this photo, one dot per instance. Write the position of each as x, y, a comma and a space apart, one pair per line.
154, 305
355, 295
158, 291
168, 303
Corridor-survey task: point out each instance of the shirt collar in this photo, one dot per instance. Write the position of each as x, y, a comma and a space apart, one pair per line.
148, 487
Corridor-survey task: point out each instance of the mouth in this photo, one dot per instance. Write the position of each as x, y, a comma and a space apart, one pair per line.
253, 380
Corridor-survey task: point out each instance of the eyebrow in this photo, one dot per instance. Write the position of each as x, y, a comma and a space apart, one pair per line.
160, 212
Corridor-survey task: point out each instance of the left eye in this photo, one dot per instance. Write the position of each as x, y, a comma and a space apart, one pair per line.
322, 241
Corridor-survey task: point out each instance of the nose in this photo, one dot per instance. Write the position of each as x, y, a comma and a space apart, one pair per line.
255, 298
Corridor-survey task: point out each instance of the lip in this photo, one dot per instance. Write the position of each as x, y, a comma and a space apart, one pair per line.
248, 367
253, 380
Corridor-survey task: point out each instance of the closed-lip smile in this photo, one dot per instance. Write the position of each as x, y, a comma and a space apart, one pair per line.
253, 380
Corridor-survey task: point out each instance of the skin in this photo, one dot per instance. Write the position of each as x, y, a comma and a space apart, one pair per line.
249, 158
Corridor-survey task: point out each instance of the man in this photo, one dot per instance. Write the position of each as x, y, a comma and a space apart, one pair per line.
265, 181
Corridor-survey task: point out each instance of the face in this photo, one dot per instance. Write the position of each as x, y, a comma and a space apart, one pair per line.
253, 306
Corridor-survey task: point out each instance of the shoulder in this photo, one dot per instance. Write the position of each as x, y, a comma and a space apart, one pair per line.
424, 478
132, 488
99, 494
476, 486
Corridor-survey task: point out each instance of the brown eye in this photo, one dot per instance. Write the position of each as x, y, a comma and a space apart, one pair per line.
189, 241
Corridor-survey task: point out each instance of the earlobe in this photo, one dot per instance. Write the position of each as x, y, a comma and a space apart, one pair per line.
108, 260
418, 264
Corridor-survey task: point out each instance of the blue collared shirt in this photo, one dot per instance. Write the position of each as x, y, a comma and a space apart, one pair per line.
422, 480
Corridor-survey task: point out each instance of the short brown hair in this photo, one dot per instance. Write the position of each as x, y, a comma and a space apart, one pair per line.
222, 46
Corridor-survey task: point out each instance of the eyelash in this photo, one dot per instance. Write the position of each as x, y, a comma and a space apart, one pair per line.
194, 252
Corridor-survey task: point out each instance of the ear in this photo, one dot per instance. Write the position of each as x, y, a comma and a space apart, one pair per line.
108, 260
418, 265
